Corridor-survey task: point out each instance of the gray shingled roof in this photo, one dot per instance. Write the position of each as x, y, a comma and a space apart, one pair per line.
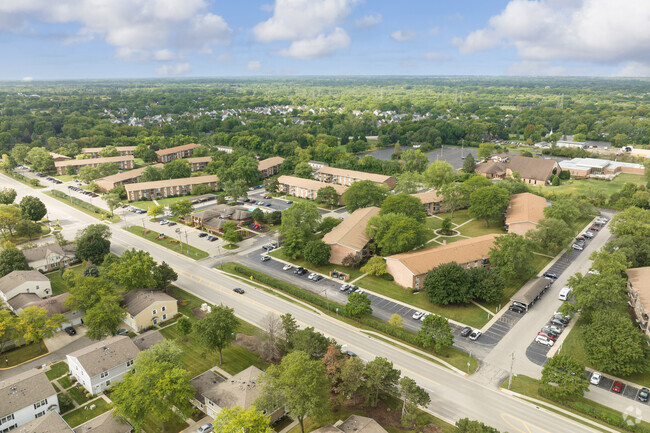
51, 422
240, 390
205, 382
137, 301
15, 278
21, 301
24, 389
105, 423
147, 339
106, 354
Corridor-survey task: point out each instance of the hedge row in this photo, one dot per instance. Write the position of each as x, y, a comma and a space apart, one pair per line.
80, 203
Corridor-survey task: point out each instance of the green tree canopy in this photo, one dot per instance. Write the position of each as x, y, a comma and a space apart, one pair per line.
309, 341
564, 377
551, 234
32, 208
93, 243
181, 208
380, 376
489, 202
36, 323
12, 259
405, 204
317, 253
133, 270
327, 195
435, 333
364, 193
358, 305
303, 170
439, 173
217, 329
447, 284
7, 195
238, 420
511, 256
177, 169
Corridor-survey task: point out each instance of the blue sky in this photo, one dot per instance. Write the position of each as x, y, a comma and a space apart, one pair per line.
77, 39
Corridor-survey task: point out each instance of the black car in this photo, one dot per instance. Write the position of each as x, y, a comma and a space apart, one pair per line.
466, 331
317, 278
517, 309
552, 275
70, 330
298, 270
202, 235
303, 272
238, 290
643, 394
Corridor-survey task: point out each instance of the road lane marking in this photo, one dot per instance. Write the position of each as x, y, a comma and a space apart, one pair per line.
524, 424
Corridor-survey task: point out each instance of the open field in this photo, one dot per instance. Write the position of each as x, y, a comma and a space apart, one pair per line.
585, 186
168, 242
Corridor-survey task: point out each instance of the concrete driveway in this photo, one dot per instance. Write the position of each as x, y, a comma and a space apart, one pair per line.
62, 339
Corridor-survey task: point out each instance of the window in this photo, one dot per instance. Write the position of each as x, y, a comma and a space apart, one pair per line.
108, 383
164, 317
11, 427
103, 375
129, 363
40, 403
154, 312
163, 308
7, 418
40, 414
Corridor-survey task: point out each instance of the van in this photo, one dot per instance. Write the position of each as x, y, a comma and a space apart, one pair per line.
565, 293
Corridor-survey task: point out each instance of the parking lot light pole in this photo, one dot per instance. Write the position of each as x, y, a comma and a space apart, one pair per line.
512, 361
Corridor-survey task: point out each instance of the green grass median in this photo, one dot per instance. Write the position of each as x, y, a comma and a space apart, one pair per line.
168, 242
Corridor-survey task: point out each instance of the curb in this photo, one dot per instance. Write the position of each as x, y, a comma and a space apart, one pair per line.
25, 362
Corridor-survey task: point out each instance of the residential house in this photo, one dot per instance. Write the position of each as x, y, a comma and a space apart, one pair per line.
270, 166
57, 157
199, 163
51, 422
345, 177
99, 365
105, 423
600, 168
307, 188
107, 183
19, 282
172, 153
123, 150
349, 237
410, 269
147, 339
354, 424
214, 393
431, 200
49, 257
316, 165
524, 212
53, 305
25, 397
146, 308
638, 290
167, 188
226, 149
123, 163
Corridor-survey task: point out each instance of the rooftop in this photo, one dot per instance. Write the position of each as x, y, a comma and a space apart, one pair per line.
137, 301
99, 149
205, 382
53, 305
362, 175
147, 339
39, 253
170, 150
240, 390
199, 159
532, 168
587, 163
269, 162
24, 389
640, 280
16, 278
525, 207
428, 196
86, 161
106, 354
310, 184
129, 174
105, 423
352, 231
51, 422
170, 182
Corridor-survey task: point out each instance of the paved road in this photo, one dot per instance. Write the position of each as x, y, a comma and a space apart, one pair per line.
452, 396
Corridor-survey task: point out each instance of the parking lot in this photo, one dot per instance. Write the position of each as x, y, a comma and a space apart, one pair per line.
627, 391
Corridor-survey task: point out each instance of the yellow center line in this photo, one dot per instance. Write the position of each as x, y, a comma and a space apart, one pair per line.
507, 417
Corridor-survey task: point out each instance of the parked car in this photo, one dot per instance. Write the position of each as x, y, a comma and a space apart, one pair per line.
298, 269
543, 340
550, 330
171, 223
517, 309
557, 323
551, 275
266, 258
312, 275
588, 235
286, 267
594, 228
70, 330
317, 278
238, 290
289, 202
202, 234
595, 378
577, 247
617, 387
424, 316
205, 428
418, 315
465, 331
122, 331
475, 335
214, 238
643, 395
303, 272
555, 329
550, 336
520, 305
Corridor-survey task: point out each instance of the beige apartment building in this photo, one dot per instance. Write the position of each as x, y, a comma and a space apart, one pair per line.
172, 153
107, 183
199, 163
638, 289
123, 162
349, 237
306, 188
345, 177
524, 212
431, 200
94, 151
167, 188
270, 166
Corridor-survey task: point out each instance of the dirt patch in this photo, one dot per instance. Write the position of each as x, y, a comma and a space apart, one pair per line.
198, 313
386, 417
255, 345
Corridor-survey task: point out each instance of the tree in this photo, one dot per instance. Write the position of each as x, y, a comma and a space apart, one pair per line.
551, 234
88, 174
238, 420
289, 328
105, 317
364, 193
469, 164
563, 209
112, 201
41, 159
447, 284
614, 262
217, 329
485, 284
177, 169
12, 259
303, 170
489, 202
32, 208
181, 208
230, 233
7, 328
435, 333
333, 360
394, 233
298, 384
202, 189
151, 174
35, 323
454, 196
163, 276
328, 196
134, 270
412, 395
7, 195
409, 182
10, 216
258, 215
311, 342
511, 255
414, 160
156, 210
184, 326
352, 377
632, 221
317, 253
597, 291
93, 243
380, 376
235, 188
445, 226
405, 204
465, 425
485, 150
28, 228
375, 266
439, 173
328, 224
396, 321
85, 291
358, 305
564, 377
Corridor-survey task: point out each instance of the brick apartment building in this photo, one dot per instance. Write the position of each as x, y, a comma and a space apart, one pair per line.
167, 188
123, 163
172, 153
345, 177
94, 151
306, 188
431, 200
270, 166
199, 163
107, 183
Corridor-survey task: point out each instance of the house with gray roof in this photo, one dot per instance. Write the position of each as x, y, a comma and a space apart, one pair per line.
99, 365
53, 305
24, 282
354, 424
147, 339
105, 423
49, 257
51, 422
25, 397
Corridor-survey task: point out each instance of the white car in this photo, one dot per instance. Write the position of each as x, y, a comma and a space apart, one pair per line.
424, 316
543, 340
475, 335
344, 287
359, 291
595, 378
312, 275
286, 267
577, 247
417, 315
205, 428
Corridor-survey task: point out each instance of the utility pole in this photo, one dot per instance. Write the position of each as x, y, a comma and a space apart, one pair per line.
512, 361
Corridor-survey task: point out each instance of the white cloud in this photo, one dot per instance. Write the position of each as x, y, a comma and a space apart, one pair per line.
27, 79
173, 69
320, 46
225, 58
432, 55
138, 29
634, 69
601, 31
254, 66
434, 31
368, 21
402, 35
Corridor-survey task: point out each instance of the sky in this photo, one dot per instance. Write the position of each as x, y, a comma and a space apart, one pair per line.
95, 39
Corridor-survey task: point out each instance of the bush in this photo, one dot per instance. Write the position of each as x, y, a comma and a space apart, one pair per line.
65, 402
387, 277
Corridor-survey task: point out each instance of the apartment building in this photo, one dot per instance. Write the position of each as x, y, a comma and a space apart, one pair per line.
123, 163
306, 188
94, 151
199, 163
167, 188
172, 153
107, 183
431, 201
349, 237
638, 290
524, 212
270, 166
25, 397
345, 177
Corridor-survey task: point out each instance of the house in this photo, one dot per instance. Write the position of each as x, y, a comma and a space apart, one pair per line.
316, 165
107, 183
51, 256
147, 339
199, 163
167, 188
536, 171
57, 157
345, 177
214, 217
213, 392
524, 212
307, 188
123, 150
349, 237
25, 397
354, 424
270, 166
599, 168
105, 362
638, 290
146, 308
53, 305
409, 269
172, 153
28, 282
105, 423
123, 163
51, 422
226, 149
431, 200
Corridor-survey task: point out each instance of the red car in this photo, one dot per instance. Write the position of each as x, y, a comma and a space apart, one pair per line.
594, 228
547, 335
617, 387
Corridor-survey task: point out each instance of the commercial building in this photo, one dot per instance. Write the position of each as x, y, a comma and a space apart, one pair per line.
640, 153
307, 188
167, 188
345, 177
123, 163
99, 365
431, 200
146, 308
107, 183
409, 269
524, 212
25, 397
199, 163
94, 151
535, 171
599, 168
51, 256
349, 238
270, 166
638, 290
172, 153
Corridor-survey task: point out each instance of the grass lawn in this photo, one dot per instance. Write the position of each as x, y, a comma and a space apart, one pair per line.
77, 395
469, 314
65, 177
84, 413
57, 370
325, 270
144, 204
230, 247
153, 425
188, 301
433, 223
17, 240
170, 243
443, 239
472, 229
197, 360
299, 199
64, 382
585, 186
58, 285
110, 218
23, 354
